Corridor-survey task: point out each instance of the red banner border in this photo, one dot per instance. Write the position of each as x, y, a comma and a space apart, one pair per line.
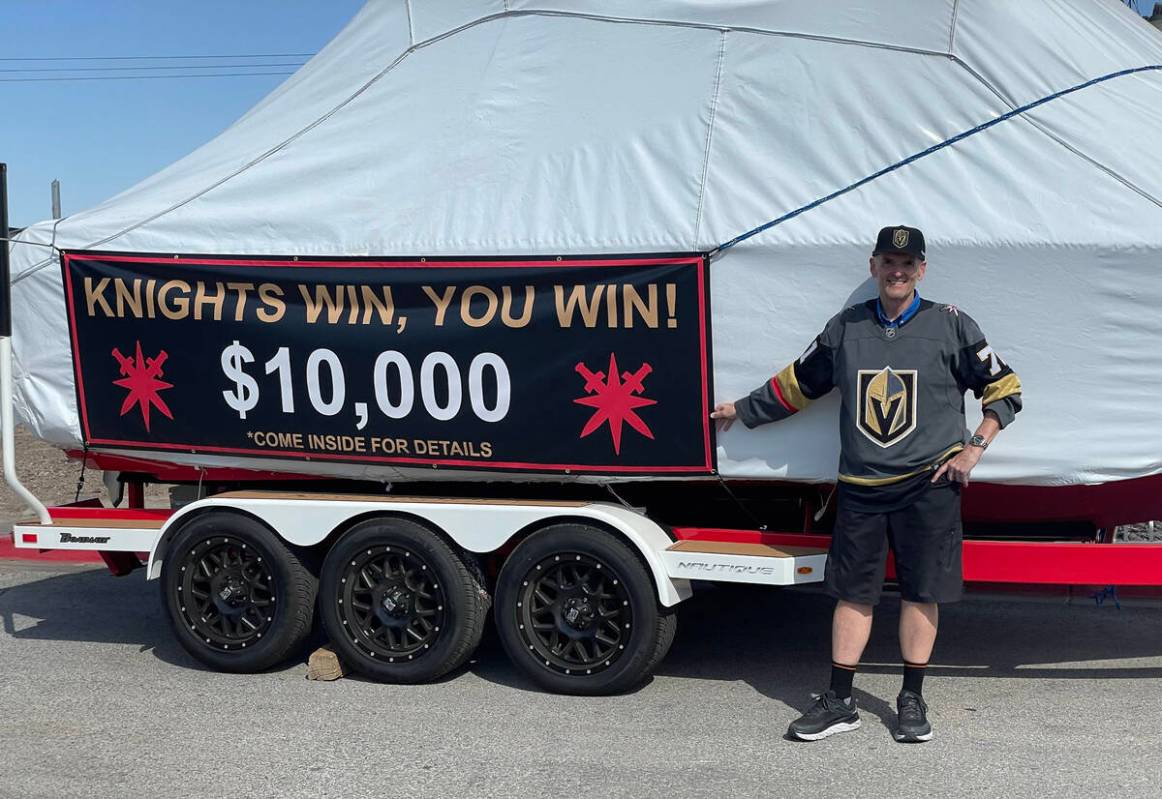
396, 263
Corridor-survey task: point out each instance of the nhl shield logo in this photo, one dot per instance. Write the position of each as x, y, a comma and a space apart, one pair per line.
886, 404
900, 238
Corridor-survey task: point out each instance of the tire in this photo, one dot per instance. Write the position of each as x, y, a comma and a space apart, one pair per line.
398, 604
576, 610
238, 599
667, 630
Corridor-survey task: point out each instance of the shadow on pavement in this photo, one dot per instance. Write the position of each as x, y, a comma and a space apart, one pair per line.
775, 640
778, 641
90, 605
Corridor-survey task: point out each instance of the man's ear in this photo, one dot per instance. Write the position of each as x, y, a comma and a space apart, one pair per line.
871, 266
923, 269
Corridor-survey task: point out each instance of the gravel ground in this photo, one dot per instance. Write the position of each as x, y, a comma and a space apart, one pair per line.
1028, 698
52, 477
46, 472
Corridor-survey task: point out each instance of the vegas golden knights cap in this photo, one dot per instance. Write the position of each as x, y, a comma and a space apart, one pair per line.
901, 239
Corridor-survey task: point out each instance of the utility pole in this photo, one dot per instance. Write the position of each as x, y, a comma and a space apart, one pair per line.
56, 199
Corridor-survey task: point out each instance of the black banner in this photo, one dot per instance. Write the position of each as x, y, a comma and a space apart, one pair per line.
562, 365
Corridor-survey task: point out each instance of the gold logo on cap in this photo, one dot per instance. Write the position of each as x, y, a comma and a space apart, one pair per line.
900, 238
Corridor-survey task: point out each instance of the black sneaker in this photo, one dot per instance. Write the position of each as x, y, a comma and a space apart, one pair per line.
912, 719
827, 716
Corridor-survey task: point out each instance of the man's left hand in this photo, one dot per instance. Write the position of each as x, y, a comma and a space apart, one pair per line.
959, 467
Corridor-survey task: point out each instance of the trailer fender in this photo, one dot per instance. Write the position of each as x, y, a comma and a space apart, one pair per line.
477, 525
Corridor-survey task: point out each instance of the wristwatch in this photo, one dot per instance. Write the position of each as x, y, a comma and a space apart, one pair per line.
978, 441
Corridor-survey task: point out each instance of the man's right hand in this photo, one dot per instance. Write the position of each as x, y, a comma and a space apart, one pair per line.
725, 414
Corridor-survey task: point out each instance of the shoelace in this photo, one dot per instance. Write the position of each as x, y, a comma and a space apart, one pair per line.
910, 709
826, 703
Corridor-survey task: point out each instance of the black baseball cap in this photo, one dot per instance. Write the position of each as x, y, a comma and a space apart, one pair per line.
902, 239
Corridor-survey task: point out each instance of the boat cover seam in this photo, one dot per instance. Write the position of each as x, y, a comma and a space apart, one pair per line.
407, 5
814, 37
709, 140
952, 27
1060, 140
1020, 110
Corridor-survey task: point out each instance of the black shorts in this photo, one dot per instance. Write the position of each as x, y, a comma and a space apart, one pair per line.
924, 535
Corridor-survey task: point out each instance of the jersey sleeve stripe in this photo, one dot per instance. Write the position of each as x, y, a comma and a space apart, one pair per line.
1007, 386
779, 396
789, 391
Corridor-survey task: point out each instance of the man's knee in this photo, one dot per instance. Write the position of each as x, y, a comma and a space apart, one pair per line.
844, 606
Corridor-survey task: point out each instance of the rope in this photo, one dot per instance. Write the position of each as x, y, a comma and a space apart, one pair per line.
618, 497
29, 243
925, 153
758, 523
81, 479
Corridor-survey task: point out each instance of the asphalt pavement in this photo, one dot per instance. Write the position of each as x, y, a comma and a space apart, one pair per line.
1028, 699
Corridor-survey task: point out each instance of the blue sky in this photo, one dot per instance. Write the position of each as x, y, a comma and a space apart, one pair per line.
99, 137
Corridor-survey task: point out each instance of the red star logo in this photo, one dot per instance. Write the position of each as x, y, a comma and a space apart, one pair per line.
141, 379
615, 399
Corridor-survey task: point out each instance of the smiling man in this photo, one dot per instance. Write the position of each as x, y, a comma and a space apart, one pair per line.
902, 365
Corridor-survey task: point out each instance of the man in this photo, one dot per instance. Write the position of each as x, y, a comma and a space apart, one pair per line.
902, 365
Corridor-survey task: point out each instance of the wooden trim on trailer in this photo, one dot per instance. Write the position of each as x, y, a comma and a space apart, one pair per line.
754, 550
106, 522
389, 499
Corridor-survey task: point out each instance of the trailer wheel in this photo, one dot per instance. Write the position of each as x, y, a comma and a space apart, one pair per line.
398, 604
237, 597
576, 611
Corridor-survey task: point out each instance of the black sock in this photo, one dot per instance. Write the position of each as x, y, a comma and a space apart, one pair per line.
841, 677
914, 677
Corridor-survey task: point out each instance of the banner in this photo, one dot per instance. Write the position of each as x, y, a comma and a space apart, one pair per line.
558, 365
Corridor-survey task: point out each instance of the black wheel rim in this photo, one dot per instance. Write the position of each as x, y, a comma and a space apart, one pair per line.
573, 614
225, 593
391, 603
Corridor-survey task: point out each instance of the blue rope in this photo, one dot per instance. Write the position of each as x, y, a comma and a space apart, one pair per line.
923, 153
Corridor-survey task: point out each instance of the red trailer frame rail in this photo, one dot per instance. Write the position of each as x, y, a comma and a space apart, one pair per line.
1028, 562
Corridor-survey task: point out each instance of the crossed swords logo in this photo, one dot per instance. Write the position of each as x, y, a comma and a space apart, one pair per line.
141, 376
615, 396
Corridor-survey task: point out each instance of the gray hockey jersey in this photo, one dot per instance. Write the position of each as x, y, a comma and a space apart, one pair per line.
902, 388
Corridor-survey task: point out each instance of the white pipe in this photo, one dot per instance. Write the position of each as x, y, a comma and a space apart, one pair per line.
7, 433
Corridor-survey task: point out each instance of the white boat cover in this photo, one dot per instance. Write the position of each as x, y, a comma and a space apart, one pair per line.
477, 127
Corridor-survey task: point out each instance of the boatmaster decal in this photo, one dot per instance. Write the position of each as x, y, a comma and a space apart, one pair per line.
594, 365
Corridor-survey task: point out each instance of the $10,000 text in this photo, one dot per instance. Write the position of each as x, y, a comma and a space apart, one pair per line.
393, 379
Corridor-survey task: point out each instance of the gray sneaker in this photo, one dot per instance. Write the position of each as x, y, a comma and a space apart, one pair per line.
827, 716
911, 719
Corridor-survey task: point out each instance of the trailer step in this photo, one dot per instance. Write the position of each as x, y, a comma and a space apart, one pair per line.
733, 562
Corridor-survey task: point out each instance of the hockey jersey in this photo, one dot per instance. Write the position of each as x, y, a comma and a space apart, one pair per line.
902, 387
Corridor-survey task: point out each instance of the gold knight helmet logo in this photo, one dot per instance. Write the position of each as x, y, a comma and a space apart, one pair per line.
887, 404
900, 238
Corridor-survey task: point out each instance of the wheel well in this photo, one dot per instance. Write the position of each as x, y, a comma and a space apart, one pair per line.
587, 521
320, 549
162, 547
